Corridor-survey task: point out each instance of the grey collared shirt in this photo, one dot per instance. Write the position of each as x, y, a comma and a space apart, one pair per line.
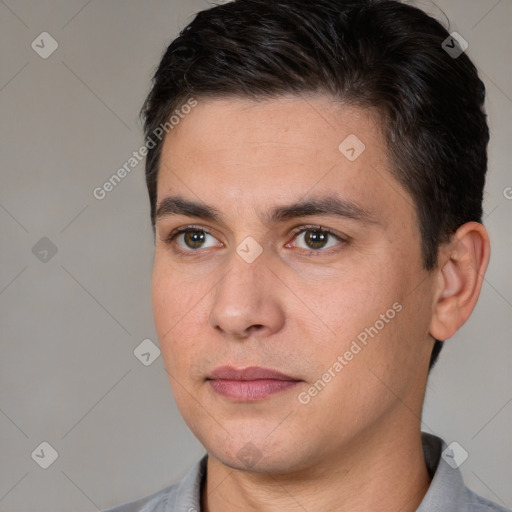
447, 492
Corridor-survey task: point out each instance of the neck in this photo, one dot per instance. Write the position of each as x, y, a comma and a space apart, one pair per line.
382, 470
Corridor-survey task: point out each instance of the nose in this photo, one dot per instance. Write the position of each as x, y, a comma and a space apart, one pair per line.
246, 300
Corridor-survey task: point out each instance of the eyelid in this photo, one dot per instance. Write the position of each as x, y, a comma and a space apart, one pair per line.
305, 227
183, 229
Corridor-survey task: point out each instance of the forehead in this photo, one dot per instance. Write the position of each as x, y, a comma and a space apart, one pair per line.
314, 123
242, 153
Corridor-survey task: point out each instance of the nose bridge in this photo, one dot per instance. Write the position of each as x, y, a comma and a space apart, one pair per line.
244, 298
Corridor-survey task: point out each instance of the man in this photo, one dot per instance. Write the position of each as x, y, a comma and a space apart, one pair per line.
315, 173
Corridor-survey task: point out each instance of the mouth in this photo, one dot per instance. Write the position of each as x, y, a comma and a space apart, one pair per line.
249, 384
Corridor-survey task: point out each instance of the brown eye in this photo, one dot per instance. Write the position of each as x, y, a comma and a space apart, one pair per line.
315, 238
194, 239
191, 239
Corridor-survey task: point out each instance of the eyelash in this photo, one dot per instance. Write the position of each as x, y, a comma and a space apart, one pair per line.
170, 239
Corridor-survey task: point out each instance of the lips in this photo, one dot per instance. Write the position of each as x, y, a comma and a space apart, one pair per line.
249, 373
249, 384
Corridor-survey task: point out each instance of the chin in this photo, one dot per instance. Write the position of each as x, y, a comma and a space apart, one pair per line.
259, 455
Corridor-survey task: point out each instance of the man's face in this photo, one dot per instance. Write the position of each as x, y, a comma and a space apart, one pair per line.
291, 297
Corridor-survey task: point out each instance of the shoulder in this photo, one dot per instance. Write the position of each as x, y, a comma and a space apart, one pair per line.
156, 502
476, 503
447, 491
184, 496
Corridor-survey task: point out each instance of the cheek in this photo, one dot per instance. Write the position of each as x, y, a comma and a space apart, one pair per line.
177, 309
367, 314
347, 302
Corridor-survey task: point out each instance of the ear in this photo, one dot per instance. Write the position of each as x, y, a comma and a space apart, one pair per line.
462, 265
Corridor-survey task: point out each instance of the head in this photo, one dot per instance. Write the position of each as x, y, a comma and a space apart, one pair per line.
293, 109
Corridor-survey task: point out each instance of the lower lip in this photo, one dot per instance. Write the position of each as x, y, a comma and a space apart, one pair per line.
250, 390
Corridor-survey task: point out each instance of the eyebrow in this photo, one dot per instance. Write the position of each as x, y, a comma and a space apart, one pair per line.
326, 205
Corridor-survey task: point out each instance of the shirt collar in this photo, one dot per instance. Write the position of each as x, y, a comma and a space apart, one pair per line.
188, 492
446, 490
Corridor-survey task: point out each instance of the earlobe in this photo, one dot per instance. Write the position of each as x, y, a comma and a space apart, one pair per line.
463, 262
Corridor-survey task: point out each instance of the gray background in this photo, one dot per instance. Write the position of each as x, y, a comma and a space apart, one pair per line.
69, 325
